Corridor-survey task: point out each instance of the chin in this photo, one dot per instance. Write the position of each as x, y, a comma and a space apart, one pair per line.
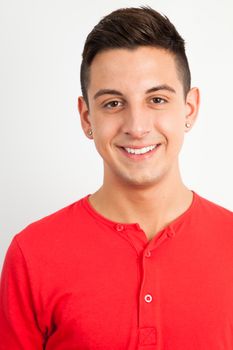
141, 181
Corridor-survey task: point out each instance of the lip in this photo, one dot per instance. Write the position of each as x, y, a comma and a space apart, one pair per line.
140, 146
143, 156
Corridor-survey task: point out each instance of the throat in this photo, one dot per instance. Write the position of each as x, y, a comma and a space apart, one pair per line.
153, 213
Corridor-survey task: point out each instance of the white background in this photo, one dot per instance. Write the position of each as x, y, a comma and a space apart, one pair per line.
46, 161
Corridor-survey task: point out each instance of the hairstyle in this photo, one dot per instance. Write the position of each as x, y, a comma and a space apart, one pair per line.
130, 28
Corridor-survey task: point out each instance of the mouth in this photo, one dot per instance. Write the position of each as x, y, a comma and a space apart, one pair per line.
140, 152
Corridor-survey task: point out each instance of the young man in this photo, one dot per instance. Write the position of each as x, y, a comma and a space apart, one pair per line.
144, 262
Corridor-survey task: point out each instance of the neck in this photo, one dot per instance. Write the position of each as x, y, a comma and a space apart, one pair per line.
153, 207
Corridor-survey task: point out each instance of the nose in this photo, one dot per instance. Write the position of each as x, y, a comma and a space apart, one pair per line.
137, 123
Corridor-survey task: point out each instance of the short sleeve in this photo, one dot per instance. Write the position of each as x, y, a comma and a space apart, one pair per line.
18, 323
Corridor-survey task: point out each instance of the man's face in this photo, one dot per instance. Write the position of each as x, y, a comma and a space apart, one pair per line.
137, 112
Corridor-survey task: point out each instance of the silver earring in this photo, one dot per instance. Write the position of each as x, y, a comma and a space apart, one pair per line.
90, 132
187, 125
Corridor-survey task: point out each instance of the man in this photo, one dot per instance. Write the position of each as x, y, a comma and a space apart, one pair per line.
144, 262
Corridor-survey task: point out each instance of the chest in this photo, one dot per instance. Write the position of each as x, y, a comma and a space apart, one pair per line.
127, 298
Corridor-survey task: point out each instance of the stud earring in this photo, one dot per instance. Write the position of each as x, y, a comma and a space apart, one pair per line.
90, 132
187, 125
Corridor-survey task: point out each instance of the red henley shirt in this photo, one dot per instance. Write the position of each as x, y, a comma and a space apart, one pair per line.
78, 281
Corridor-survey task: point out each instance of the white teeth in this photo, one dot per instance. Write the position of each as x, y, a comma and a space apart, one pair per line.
140, 150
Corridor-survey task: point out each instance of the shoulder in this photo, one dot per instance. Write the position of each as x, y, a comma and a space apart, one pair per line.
210, 206
55, 228
213, 213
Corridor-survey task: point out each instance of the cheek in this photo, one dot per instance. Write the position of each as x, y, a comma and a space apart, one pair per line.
171, 125
103, 135
106, 128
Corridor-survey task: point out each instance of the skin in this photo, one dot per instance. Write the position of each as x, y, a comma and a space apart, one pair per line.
147, 107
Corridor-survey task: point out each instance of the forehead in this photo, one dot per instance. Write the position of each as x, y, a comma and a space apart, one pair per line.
133, 69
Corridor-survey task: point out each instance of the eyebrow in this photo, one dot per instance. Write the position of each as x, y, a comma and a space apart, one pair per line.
161, 87
102, 92
107, 92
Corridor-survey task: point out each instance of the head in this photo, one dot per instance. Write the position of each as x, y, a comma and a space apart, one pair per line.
129, 28
136, 98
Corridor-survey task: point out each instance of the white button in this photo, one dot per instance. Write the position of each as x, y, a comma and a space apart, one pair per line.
119, 227
148, 298
148, 254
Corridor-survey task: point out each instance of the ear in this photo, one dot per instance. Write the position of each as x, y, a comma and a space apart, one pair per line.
84, 117
192, 107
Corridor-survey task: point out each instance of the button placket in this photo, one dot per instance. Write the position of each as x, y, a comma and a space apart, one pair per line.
148, 309
170, 232
147, 336
148, 254
148, 298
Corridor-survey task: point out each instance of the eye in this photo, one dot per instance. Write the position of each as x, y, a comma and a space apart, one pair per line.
113, 104
158, 100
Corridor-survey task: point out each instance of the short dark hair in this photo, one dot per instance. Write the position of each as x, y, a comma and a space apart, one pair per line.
130, 28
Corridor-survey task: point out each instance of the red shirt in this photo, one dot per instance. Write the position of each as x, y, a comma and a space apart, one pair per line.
76, 280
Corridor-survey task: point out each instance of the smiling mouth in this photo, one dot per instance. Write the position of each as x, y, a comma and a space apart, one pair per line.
142, 150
